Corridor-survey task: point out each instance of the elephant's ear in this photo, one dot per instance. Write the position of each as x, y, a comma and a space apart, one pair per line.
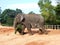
22, 18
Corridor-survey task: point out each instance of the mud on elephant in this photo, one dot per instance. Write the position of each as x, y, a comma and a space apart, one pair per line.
29, 21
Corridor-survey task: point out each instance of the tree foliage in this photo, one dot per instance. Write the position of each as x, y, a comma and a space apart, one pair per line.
0, 10
31, 12
57, 10
0, 14
47, 10
18, 11
8, 15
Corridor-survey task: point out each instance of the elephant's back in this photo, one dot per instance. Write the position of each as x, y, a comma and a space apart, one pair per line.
35, 17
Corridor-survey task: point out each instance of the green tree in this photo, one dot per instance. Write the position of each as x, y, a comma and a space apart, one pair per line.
47, 10
0, 14
0, 10
7, 16
31, 12
19, 11
57, 10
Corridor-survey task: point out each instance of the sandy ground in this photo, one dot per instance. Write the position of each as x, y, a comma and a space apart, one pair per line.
7, 37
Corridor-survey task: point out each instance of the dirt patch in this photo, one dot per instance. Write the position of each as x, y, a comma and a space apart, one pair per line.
37, 43
7, 37
5, 29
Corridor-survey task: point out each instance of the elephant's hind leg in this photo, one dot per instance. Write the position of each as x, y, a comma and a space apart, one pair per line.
42, 30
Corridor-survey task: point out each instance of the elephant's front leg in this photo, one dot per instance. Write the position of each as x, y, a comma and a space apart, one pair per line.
23, 28
29, 29
15, 31
15, 27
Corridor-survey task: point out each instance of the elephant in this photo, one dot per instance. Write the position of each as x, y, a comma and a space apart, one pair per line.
30, 21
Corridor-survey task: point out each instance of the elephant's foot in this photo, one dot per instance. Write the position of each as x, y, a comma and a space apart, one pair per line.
30, 33
15, 32
43, 31
46, 32
22, 33
40, 32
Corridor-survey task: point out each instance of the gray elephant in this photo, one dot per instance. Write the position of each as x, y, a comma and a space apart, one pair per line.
29, 21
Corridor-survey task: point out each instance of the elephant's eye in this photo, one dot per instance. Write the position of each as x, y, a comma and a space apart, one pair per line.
23, 20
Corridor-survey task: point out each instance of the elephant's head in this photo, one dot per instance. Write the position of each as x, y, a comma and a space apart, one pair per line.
20, 18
